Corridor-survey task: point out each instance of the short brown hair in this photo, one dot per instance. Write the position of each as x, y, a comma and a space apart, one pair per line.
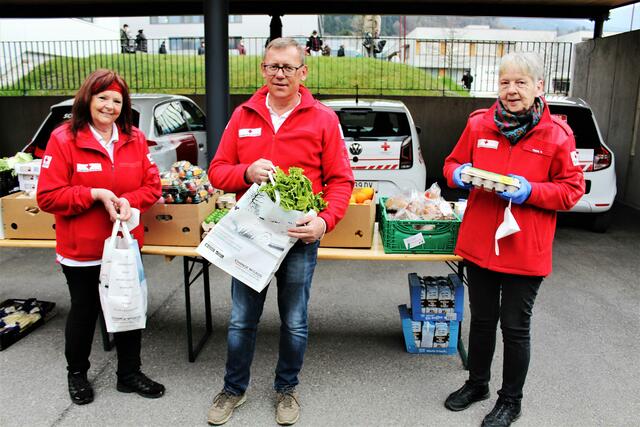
97, 82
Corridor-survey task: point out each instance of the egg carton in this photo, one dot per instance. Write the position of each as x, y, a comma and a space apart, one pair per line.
489, 181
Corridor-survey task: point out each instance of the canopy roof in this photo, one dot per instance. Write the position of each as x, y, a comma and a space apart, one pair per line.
532, 8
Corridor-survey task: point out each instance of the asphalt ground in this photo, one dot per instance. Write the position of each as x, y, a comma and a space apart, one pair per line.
585, 368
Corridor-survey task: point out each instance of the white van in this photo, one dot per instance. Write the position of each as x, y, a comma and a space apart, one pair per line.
382, 143
597, 160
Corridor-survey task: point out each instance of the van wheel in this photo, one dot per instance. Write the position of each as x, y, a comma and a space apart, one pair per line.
600, 222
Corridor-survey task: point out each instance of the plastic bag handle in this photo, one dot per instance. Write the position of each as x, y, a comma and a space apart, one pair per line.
117, 225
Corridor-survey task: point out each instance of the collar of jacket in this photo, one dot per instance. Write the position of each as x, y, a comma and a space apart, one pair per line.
258, 102
545, 121
85, 139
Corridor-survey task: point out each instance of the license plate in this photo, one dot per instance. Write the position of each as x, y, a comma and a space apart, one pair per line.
372, 184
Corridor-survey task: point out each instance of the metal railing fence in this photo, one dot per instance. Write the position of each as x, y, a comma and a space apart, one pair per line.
387, 66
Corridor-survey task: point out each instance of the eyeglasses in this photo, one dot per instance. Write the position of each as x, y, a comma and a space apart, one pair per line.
287, 70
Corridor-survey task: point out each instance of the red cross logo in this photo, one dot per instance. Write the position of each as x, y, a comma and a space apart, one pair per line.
385, 146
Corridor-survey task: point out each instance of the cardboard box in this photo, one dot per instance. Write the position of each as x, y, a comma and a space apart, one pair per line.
176, 224
355, 230
432, 337
424, 310
22, 219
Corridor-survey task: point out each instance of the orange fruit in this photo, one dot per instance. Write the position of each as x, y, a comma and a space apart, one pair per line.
361, 196
368, 191
352, 200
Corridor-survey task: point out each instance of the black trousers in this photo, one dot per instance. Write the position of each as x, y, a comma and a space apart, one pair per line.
509, 298
81, 324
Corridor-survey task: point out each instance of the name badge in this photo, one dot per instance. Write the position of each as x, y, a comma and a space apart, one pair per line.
242, 133
89, 167
488, 143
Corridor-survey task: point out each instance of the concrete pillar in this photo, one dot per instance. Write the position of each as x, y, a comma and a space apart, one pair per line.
599, 24
216, 35
275, 27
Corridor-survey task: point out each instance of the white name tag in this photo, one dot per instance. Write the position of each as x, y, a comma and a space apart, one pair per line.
46, 161
88, 167
249, 132
487, 143
414, 241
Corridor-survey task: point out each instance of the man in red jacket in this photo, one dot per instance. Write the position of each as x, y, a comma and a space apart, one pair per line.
516, 136
281, 125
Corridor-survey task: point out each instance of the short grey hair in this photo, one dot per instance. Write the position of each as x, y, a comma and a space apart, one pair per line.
529, 63
283, 43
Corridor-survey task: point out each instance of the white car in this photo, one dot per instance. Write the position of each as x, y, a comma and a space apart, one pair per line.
382, 143
174, 125
597, 160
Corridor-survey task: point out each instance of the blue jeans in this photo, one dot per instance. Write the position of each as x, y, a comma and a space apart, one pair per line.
294, 286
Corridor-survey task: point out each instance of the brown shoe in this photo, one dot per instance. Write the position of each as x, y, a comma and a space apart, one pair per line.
288, 408
223, 405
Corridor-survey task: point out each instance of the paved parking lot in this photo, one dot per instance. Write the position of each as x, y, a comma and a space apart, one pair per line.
585, 369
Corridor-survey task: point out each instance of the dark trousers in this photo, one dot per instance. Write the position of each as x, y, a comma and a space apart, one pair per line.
81, 324
509, 298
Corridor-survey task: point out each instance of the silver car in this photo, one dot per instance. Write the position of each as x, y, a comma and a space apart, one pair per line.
174, 125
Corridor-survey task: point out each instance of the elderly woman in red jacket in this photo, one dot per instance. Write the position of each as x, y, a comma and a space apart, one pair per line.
96, 167
517, 136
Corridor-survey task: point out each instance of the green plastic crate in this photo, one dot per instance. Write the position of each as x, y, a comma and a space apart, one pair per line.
439, 240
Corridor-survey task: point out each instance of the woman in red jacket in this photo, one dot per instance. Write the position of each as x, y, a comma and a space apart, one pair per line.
517, 136
96, 167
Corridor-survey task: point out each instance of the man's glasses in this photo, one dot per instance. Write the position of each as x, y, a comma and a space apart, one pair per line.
287, 70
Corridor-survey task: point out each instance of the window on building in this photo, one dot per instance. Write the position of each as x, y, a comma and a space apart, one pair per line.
158, 19
182, 19
235, 19
183, 43
234, 42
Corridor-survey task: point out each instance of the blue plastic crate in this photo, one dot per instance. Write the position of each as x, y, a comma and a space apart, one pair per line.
408, 326
417, 301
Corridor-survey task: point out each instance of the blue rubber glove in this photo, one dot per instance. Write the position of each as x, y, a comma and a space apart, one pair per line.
520, 195
457, 180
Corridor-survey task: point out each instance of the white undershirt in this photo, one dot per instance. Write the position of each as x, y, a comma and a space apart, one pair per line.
108, 145
278, 120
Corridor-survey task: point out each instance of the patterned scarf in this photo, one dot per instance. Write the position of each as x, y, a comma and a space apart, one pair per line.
515, 126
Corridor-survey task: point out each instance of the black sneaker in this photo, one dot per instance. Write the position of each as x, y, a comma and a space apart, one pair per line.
465, 396
80, 389
141, 384
503, 414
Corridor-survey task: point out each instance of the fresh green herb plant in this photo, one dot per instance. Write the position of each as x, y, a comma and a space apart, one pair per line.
295, 191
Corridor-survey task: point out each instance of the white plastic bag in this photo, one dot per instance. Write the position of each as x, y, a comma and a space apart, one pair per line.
508, 227
123, 286
251, 241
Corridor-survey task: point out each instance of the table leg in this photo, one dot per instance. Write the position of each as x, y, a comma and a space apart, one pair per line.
188, 266
458, 269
